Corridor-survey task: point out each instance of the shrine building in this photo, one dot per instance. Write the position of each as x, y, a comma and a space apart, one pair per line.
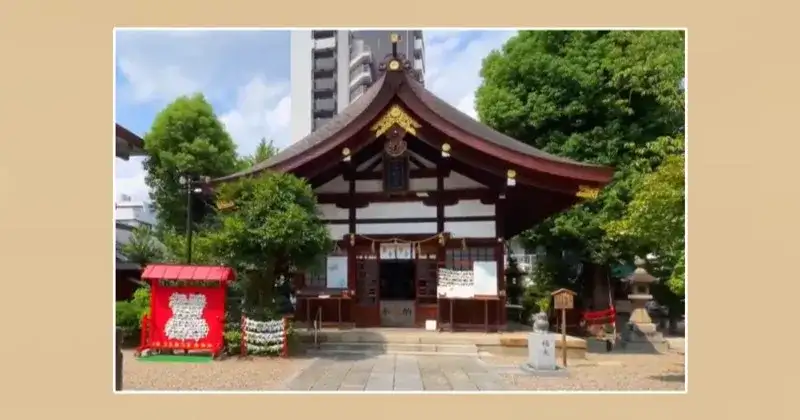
411, 188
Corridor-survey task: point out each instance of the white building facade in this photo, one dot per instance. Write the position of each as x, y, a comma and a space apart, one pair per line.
332, 68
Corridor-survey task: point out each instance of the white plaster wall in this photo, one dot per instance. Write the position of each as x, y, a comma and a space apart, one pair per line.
457, 181
395, 228
395, 210
452, 182
470, 229
469, 208
337, 232
331, 212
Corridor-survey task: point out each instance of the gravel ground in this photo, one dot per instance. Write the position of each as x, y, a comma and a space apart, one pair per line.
602, 372
231, 374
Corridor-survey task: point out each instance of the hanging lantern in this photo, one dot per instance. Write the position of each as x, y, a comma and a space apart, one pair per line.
511, 179
446, 150
441, 239
346, 155
352, 240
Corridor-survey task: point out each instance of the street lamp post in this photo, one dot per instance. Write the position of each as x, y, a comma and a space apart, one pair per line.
192, 186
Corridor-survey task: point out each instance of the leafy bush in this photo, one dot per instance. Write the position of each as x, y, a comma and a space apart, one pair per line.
141, 301
128, 320
233, 341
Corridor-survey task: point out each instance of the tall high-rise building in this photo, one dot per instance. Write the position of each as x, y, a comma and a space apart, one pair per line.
331, 68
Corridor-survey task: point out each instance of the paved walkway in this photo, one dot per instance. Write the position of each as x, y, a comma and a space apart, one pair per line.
397, 373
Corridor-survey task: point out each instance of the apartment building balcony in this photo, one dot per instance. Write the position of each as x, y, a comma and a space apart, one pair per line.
362, 77
360, 58
324, 66
324, 106
324, 44
324, 85
325, 33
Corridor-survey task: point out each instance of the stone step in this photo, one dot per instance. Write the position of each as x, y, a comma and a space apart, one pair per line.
424, 338
395, 348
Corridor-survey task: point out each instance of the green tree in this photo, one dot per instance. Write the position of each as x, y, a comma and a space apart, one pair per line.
143, 248
186, 138
264, 150
604, 97
655, 218
272, 231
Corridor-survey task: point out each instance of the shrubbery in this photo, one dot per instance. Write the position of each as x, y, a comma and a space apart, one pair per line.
130, 313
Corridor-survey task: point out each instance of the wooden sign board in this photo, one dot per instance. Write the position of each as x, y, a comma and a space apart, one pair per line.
563, 299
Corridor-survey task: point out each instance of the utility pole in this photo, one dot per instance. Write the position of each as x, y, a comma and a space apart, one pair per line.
192, 186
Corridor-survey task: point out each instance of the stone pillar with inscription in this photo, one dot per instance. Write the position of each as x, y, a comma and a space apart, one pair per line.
541, 347
642, 334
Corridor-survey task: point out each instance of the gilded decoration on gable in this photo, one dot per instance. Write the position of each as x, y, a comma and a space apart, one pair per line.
395, 146
396, 116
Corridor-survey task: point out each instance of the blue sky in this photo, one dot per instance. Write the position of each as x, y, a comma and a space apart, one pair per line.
245, 75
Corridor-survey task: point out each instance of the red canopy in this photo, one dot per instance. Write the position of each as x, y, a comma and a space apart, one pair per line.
188, 272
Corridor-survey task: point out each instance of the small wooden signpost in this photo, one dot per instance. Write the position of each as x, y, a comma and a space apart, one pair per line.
563, 299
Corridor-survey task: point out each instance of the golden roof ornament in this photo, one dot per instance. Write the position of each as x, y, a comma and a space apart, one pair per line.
587, 192
396, 116
397, 62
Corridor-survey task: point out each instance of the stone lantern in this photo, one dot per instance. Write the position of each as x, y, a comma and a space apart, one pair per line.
642, 333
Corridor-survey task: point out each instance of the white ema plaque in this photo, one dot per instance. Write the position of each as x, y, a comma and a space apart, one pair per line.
542, 351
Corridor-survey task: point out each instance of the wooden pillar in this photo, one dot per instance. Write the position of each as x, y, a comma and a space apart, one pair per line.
118, 359
351, 223
441, 250
499, 226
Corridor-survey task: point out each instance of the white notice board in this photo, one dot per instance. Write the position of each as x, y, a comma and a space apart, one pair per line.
485, 275
336, 274
455, 284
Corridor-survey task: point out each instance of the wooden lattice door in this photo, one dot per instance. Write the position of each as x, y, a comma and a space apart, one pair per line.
367, 308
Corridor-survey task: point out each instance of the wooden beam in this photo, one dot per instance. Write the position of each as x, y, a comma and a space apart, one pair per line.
414, 174
449, 197
372, 165
413, 159
370, 221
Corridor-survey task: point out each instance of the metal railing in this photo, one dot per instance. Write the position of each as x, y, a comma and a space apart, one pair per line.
317, 326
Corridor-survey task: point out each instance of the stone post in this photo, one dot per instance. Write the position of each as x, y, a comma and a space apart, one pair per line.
118, 359
642, 332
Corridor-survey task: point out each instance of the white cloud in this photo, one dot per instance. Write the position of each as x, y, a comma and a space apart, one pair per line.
129, 179
262, 110
246, 76
454, 60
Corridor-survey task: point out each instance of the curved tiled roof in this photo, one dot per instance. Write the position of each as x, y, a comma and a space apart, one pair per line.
478, 129
502, 145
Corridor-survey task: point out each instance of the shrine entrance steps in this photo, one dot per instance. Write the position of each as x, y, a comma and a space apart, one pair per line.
417, 341
371, 341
